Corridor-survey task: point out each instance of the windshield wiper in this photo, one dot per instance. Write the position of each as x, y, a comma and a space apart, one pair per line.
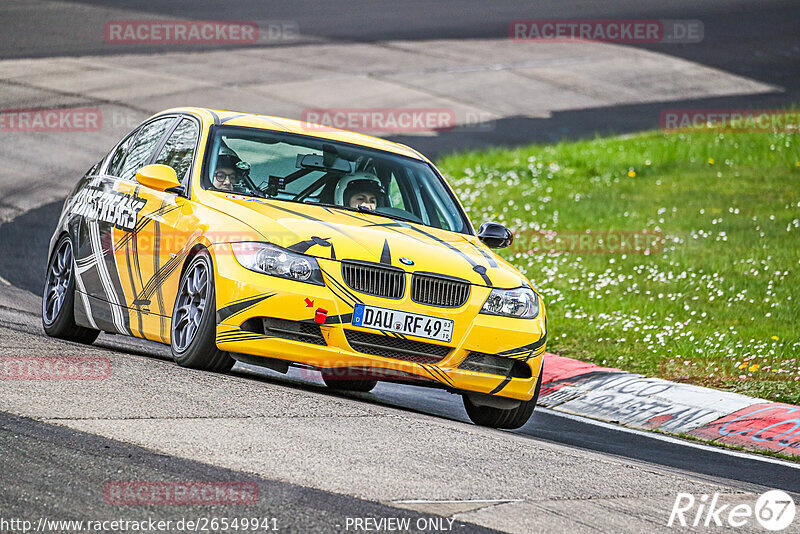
364, 209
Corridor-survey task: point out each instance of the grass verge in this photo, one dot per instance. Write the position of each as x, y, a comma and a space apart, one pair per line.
691, 267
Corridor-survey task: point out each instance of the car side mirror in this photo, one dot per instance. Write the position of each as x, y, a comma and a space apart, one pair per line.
495, 235
158, 177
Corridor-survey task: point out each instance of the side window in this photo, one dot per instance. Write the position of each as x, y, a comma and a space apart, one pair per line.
119, 154
179, 149
395, 195
149, 136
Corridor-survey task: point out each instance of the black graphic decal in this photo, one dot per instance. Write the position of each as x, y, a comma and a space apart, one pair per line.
240, 306
95, 203
500, 386
340, 290
232, 117
400, 224
232, 336
525, 348
489, 258
437, 374
344, 318
144, 220
303, 246
386, 255
159, 278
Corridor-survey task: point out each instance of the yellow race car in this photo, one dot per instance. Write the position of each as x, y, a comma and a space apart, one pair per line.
233, 236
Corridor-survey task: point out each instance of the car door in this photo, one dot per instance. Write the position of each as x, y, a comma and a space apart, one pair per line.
96, 280
110, 206
149, 256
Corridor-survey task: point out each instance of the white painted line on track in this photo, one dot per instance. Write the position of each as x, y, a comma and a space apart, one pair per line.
669, 439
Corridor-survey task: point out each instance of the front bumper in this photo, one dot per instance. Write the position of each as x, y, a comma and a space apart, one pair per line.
243, 296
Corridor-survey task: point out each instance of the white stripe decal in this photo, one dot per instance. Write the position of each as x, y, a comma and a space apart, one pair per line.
84, 298
105, 277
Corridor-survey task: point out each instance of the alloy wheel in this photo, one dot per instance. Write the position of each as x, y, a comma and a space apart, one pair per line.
192, 297
58, 275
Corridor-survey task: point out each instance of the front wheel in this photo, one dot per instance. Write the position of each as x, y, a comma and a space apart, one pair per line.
510, 418
58, 300
193, 333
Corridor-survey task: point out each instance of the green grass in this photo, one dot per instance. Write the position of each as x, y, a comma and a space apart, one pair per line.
718, 305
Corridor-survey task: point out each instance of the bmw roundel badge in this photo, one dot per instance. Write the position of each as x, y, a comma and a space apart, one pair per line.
406, 261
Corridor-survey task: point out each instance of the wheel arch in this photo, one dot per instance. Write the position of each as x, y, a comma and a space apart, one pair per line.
194, 251
57, 235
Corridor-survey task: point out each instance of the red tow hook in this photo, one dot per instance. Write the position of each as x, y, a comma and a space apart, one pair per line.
321, 315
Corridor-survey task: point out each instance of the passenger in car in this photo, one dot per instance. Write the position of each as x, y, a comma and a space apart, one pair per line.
226, 175
363, 190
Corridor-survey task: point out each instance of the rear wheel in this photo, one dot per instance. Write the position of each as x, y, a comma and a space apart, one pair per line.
58, 300
510, 418
193, 339
344, 380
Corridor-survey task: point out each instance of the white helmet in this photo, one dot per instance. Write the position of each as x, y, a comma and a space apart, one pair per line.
357, 181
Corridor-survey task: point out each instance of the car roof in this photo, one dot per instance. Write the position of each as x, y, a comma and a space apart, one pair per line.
279, 124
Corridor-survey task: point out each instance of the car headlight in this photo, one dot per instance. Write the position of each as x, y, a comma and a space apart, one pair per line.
521, 302
275, 261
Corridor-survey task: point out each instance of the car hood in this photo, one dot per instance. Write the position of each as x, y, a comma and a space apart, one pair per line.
332, 233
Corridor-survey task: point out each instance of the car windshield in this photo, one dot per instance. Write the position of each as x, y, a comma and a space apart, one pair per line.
310, 170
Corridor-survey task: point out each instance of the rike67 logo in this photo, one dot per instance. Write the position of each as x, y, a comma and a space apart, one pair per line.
773, 510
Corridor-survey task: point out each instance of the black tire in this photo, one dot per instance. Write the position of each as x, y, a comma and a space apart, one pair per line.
195, 346
333, 379
58, 297
503, 418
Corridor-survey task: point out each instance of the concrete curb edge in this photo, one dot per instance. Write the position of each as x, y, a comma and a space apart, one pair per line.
632, 400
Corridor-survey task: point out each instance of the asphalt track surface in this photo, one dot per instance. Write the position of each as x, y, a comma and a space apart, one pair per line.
50, 469
60, 473
756, 39
43, 462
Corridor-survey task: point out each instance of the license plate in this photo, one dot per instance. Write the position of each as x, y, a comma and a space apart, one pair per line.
413, 324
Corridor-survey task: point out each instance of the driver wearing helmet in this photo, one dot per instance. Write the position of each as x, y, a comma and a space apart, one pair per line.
229, 172
360, 189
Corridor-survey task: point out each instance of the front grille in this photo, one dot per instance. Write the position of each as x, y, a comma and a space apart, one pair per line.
495, 365
395, 347
372, 279
437, 290
294, 330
